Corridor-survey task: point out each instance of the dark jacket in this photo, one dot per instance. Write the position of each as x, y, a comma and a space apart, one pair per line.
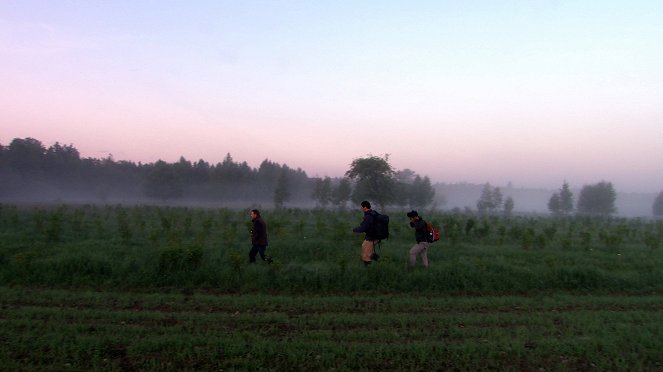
259, 232
420, 230
366, 225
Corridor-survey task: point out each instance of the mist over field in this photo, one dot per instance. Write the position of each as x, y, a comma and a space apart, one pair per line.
34, 187
535, 201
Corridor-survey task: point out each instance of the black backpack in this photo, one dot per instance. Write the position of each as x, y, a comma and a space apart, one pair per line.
380, 228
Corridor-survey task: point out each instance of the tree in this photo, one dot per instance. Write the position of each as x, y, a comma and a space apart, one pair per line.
497, 199
322, 191
508, 206
374, 179
282, 189
342, 193
412, 190
184, 170
597, 199
554, 204
200, 172
162, 182
402, 187
561, 203
61, 157
485, 200
25, 155
565, 199
268, 174
406, 176
421, 192
658, 205
232, 173
490, 200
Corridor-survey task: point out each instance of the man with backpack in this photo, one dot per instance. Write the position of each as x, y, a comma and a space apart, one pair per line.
371, 238
421, 235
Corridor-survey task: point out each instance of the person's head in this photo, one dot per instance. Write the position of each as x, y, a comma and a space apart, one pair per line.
365, 205
255, 214
413, 215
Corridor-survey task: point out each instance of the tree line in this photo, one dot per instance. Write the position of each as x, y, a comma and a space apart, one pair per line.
594, 200
31, 171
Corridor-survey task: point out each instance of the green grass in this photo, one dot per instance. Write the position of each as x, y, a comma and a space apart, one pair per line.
149, 288
61, 329
151, 247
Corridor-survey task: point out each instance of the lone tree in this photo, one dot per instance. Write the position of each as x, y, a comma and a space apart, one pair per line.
598, 199
374, 179
657, 208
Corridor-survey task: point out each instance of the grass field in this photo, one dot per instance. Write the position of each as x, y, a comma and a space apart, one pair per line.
154, 288
64, 329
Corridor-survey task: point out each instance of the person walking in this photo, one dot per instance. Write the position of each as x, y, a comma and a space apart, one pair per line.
366, 227
258, 237
421, 236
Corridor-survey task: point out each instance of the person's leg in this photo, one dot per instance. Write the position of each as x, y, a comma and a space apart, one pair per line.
417, 250
424, 253
252, 253
366, 251
414, 251
261, 250
267, 257
374, 254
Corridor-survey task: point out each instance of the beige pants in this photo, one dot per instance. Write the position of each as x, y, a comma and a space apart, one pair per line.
367, 247
420, 249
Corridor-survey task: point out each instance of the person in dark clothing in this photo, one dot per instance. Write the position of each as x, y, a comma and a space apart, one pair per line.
258, 237
421, 236
368, 245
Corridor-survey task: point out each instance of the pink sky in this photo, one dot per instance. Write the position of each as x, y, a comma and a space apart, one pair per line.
534, 94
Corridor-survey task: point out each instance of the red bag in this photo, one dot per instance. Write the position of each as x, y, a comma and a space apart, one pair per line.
433, 233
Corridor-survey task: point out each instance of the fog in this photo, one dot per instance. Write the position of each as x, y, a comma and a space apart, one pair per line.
448, 197
535, 200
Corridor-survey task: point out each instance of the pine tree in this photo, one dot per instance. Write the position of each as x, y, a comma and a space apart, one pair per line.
565, 199
554, 204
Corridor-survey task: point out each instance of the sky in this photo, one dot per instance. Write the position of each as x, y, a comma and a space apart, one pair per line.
529, 92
